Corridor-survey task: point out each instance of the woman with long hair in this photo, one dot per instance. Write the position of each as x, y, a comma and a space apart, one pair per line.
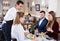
17, 30
52, 26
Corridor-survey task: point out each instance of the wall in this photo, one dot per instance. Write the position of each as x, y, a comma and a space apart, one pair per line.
34, 12
12, 3
25, 6
53, 5
58, 9
1, 6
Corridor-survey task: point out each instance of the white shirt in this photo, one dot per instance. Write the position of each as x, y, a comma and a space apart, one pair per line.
41, 21
10, 15
17, 32
26, 30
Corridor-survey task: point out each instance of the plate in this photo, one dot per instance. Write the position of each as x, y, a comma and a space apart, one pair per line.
30, 36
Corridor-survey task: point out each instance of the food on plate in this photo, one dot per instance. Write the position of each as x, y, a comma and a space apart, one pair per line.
31, 36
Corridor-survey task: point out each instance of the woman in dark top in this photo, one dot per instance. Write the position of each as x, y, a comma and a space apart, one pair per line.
52, 26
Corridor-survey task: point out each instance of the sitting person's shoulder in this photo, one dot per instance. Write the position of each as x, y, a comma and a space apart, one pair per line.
45, 19
55, 22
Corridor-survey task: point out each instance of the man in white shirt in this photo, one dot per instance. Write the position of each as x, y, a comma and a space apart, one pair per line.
8, 19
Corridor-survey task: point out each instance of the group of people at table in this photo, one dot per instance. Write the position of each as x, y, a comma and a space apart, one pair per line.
12, 24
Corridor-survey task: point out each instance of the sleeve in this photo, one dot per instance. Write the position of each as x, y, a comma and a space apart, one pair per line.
42, 27
13, 32
9, 14
56, 28
43, 24
20, 33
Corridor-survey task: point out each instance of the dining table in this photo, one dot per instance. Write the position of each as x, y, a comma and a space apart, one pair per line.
41, 38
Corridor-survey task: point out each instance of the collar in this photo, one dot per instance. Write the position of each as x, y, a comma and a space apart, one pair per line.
43, 18
16, 9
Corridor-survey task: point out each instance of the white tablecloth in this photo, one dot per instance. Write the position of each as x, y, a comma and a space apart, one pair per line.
44, 39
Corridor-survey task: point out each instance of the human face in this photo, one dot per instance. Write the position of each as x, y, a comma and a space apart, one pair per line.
42, 15
22, 19
19, 7
50, 18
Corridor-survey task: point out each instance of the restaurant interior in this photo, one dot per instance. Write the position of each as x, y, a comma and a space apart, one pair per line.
31, 11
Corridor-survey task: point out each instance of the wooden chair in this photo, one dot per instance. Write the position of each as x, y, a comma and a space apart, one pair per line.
58, 20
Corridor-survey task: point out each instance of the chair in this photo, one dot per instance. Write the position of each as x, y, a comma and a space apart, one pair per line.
13, 39
58, 20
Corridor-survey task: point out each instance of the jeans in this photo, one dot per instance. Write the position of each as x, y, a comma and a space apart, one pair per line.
6, 28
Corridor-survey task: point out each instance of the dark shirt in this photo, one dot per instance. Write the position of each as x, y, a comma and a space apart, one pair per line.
55, 29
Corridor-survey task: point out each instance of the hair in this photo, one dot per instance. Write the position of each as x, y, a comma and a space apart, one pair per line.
52, 13
18, 16
50, 24
19, 2
42, 12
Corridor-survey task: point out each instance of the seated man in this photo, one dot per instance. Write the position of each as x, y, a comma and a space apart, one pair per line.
42, 22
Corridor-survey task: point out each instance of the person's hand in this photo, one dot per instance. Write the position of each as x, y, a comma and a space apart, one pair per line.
36, 30
43, 33
35, 39
49, 29
26, 33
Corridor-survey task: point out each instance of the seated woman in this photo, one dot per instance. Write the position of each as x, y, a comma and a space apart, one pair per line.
17, 30
53, 26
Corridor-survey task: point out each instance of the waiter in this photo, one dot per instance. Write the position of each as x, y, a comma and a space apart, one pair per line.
8, 19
